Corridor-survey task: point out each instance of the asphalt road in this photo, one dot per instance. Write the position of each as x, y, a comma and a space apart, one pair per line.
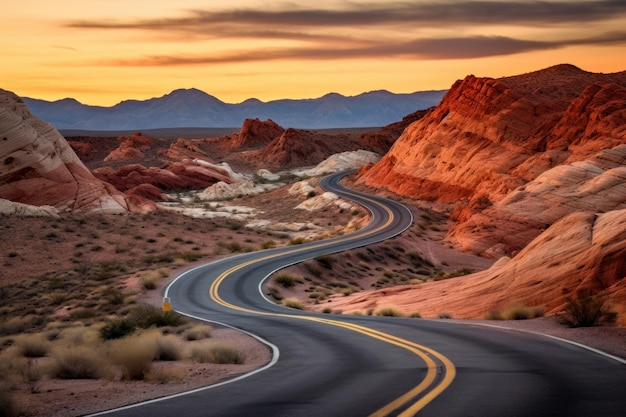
335, 365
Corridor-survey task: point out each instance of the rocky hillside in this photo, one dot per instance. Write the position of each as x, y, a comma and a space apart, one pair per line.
580, 254
490, 138
39, 168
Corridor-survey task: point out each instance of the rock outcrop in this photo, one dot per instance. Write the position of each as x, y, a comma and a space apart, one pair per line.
598, 185
343, 161
11, 208
38, 167
297, 148
131, 148
254, 134
184, 175
582, 253
488, 138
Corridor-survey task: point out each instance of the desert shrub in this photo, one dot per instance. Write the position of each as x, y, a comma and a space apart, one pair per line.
168, 348
297, 241
32, 346
77, 363
326, 261
285, 280
14, 325
313, 270
162, 375
216, 352
520, 312
113, 295
197, 332
116, 329
293, 303
586, 311
189, 256
79, 335
268, 245
444, 315
389, 311
149, 280
134, 356
415, 315
146, 316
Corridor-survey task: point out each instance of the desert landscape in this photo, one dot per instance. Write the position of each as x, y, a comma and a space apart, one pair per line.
517, 187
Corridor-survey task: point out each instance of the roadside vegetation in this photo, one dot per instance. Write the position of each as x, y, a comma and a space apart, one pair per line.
515, 311
587, 310
76, 292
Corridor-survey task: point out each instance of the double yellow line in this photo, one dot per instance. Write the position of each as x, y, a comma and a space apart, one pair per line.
412, 401
427, 390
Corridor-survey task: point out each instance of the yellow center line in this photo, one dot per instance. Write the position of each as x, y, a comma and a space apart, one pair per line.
421, 351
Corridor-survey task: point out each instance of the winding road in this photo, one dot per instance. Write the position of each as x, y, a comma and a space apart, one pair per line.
334, 365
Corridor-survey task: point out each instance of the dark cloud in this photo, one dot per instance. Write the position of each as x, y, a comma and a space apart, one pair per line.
324, 33
434, 49
430, 13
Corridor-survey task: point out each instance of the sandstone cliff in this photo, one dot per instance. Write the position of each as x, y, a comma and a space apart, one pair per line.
491, 137
581, 253
39, 168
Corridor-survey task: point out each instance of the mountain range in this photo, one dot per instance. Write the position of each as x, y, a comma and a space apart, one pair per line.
195, 108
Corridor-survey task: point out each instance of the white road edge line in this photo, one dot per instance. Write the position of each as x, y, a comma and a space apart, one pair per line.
560, 339
272, 362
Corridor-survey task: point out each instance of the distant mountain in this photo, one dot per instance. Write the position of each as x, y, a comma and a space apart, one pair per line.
195, 108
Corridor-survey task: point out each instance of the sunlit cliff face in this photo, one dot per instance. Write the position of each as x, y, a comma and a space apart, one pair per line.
103, 53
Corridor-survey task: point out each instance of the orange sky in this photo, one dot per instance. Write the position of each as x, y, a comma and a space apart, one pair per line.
104, 51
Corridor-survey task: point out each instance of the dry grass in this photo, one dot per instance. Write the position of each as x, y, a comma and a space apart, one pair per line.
163, 375
293, 303
216, 352
133, 354
197, 332
389, 311
77, 363
515, 311
32, 345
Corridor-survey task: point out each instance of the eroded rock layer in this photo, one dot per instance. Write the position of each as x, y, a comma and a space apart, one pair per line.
490, 143
39, 168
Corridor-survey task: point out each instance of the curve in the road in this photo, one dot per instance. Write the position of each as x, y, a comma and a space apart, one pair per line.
440, 370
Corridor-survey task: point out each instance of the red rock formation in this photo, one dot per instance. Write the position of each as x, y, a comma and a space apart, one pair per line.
184, 175
583, 252
189, 149
297, 148
39, 167
254, 134
488, 137
130, 148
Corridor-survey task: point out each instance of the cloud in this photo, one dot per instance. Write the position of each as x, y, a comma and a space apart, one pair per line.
433, 49
377, 29
430, 13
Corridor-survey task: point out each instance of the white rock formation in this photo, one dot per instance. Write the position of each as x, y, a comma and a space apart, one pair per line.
344, 161
302, 188
38, 167
11, 208
268, 175
224, 191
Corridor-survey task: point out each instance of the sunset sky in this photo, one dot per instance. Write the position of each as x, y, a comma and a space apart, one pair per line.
104, 51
